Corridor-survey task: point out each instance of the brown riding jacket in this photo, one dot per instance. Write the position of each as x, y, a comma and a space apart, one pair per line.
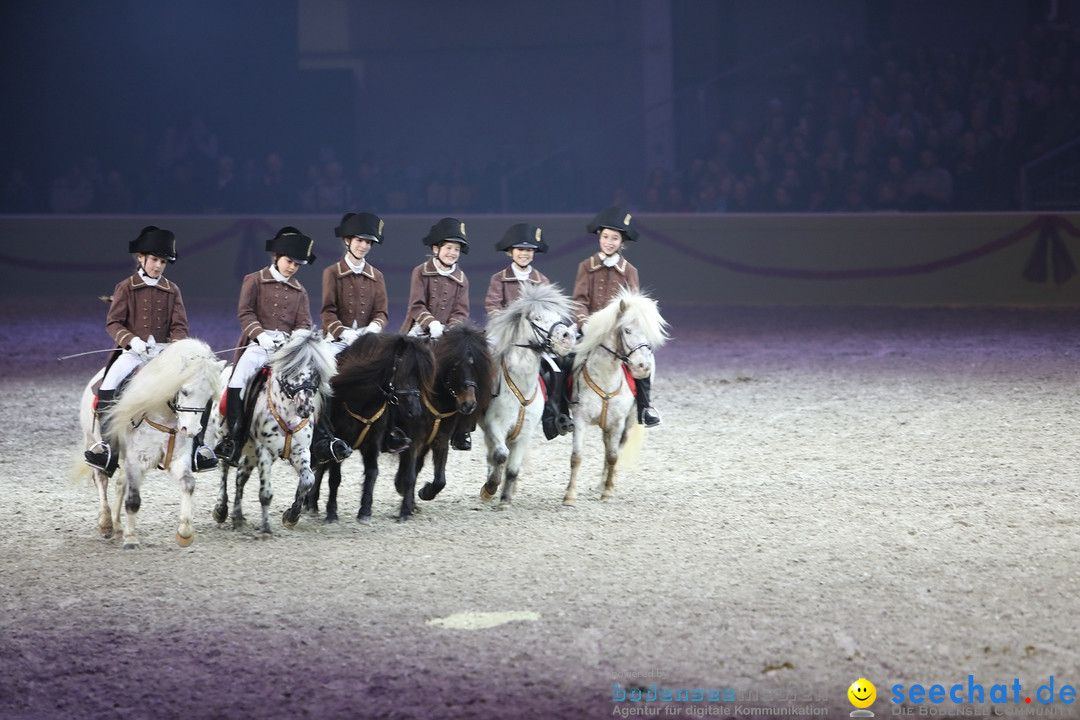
596, 284
349, 297
436, 297
505, 288
266, 304
141, 310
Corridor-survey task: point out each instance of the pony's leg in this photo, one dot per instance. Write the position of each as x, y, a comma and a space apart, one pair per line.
105, 518
132, 501
405, 480
118, 498
311, 500
614, 436
333, 484
370, 452
440, 449
221, 508
513, 468
497, 455
266, 491
301, 462
243, 472
575, 462
181, 467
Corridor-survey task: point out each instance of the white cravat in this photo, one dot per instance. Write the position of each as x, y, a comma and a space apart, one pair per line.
149, 280
522, 275
277, 275
439, 268
610, 260
357, 269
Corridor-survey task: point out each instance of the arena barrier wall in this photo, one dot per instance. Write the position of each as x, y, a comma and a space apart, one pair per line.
686, 259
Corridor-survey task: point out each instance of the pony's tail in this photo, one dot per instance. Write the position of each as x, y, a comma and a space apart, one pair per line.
79, 473
630, 453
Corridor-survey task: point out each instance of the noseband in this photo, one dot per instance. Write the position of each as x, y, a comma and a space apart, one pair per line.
623, 353
542, 341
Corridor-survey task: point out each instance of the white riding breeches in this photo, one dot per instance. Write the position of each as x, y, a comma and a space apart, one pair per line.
127, 363
250, 362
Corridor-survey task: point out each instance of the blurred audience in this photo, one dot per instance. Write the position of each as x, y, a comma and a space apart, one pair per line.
849, 128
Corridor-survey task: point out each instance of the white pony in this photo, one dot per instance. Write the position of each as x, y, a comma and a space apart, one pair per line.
618, 338
152, 424
288, 401
535, 323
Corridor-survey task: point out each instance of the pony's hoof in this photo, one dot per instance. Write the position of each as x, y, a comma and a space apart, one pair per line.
288, 520
608, 496
427, 492
363, 519
220, 514
132, 545
569, 501
485, 495
265, 535
106, 532
330, 520
506, 505
184, 541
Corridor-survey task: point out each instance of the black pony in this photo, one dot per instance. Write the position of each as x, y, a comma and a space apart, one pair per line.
378, 376
463, 380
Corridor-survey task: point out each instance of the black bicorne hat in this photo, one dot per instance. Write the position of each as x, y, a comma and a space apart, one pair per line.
293, 244
447, 229
614, 218
154, 241
522, 235
365, 225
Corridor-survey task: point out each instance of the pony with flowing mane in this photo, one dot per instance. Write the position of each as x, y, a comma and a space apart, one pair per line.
379, 376
618, 341
283, 401
520, 334
463, 380
153, 422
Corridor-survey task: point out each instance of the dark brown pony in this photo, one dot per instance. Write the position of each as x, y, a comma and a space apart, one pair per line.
381, 378
463, 379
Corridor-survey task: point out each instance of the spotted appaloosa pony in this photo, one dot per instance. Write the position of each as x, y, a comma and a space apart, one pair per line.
284, 402
463, 379
153, 423
617, 339
537, 322
381, 378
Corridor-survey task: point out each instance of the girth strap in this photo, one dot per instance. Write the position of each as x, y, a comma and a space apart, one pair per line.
604, 396
287, 450
366, 422
439, 417
524, 404
171, 432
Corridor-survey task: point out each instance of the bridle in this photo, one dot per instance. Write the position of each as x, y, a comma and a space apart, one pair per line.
542, 341
623, 353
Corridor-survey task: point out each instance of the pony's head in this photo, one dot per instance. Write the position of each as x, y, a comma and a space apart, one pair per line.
302, 369
464, 367
383, 367
539, 318
180, 381
629, 327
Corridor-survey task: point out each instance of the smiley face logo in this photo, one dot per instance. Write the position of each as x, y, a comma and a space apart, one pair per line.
862, 693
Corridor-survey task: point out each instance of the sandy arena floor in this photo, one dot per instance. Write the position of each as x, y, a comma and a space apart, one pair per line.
834, 494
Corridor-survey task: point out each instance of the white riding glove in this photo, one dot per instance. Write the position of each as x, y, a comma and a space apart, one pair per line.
435, 329
348, 335
137, 345
267, 341
374, 327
